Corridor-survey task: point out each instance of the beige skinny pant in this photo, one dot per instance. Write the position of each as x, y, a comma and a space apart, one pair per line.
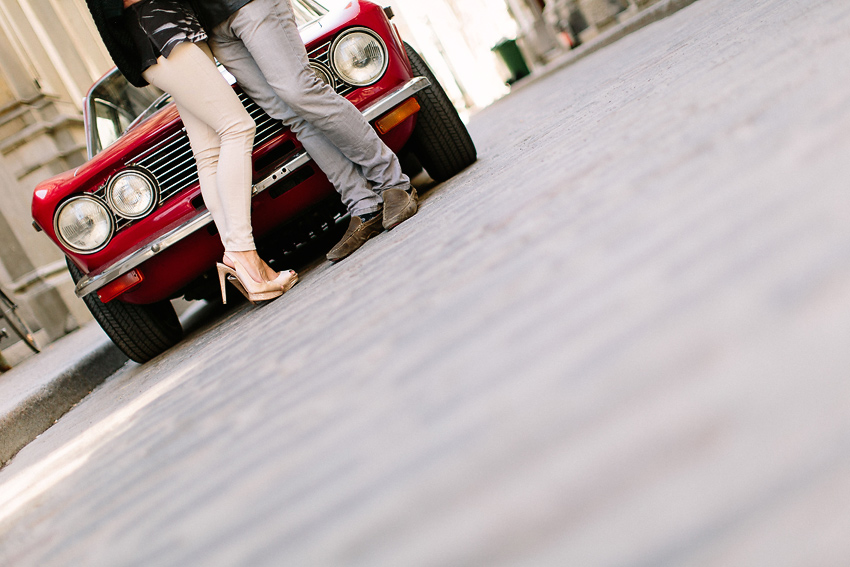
220, 132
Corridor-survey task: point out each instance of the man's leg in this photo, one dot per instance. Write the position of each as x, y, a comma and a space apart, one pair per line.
268, 31
335, 134
355, 190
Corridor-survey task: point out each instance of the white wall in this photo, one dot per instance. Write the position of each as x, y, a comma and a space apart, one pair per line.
456, 37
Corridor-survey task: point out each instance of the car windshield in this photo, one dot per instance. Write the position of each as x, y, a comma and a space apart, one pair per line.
114, 106
307, 10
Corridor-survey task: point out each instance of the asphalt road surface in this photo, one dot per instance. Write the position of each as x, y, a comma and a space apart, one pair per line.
619, 339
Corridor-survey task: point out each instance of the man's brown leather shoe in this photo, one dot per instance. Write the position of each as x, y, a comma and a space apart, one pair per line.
357, 234
399, 205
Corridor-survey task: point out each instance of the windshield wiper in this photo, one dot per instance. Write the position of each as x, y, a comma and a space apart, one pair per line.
156, 105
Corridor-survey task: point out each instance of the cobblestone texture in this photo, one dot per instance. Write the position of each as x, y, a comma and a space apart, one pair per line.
619, 339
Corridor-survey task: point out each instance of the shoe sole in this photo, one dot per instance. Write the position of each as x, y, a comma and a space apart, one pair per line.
263, 297
291, 283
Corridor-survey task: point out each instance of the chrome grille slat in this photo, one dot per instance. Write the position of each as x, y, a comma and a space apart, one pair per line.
162, 174
265, 129
263, 135
263, 139
186, 177
186, 180
177, 178
166, 156
165, 143
167, 185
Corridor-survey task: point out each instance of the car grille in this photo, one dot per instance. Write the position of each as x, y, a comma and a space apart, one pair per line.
172, 163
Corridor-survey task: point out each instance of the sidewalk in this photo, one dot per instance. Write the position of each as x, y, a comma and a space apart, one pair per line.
640, 20
38, 391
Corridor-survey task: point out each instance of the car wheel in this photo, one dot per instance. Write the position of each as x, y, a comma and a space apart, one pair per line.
140, 331
440, 140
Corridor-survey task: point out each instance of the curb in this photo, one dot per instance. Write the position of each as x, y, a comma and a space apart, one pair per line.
651, 15
34, 394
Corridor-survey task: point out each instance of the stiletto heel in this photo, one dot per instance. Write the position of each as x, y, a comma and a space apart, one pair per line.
253, 290
223, 271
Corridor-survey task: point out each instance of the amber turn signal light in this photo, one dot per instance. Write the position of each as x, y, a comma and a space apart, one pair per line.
395, 117
118, 286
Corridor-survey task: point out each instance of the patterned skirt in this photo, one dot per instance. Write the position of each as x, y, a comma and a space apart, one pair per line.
160, 25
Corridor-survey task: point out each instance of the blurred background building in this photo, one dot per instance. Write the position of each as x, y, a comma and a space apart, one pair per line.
50, 53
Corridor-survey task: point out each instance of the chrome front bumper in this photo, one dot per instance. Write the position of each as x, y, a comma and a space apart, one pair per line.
121, 266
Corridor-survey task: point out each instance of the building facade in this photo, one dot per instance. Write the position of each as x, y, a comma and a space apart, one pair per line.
50, 54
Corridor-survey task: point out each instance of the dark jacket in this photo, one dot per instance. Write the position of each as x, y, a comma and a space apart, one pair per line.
213, 12
108, 17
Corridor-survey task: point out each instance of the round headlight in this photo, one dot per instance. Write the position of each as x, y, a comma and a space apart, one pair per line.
131, 193
359, 57
323, 73
84, 224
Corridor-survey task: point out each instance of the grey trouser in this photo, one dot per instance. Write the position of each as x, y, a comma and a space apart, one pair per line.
260, 45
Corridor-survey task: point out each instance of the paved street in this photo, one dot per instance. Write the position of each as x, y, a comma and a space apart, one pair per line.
619, 339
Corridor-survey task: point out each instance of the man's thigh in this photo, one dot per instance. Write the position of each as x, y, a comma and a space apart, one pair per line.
238, 61
269, 33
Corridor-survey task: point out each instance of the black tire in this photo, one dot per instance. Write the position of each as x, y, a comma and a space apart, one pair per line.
409, 163
17, 324
140, 331
440, 140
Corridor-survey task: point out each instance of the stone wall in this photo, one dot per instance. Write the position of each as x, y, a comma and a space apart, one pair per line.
50, 53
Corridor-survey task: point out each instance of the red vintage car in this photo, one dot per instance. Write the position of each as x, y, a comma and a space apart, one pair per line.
130, 256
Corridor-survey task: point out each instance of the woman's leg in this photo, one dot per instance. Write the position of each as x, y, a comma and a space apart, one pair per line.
221, 134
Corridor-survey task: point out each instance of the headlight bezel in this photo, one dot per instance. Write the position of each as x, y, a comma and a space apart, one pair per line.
132, 170
324, 72
98, 201
345, 78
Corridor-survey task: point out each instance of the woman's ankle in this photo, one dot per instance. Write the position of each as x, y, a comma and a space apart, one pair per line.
251, 262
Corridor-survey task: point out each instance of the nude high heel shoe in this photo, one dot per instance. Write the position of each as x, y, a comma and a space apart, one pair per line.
253, 290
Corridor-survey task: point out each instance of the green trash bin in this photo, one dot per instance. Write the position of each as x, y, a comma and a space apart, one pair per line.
508, 51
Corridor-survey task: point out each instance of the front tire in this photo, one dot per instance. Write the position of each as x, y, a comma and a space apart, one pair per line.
139, 331
440, 140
